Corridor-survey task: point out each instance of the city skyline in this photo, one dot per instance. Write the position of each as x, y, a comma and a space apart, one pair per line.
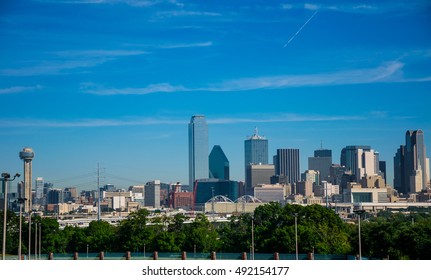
115, 82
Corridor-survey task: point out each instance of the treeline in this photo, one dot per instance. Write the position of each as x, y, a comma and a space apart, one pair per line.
319, 230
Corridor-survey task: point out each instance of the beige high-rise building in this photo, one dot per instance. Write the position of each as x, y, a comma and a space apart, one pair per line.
27, 156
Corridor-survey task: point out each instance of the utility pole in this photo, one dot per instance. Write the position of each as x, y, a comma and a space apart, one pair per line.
5, 178
98, 193
20, 201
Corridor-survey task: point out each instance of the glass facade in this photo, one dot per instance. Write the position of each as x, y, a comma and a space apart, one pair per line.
218, 164
352, 158
362, 197
409, 160
255, 151
209, 187
198, 149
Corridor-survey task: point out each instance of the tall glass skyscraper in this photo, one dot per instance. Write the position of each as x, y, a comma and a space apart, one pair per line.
198, 149
255, 151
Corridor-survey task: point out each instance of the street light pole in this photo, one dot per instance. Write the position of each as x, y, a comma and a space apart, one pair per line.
40, 237
35, 240
252, 239
29, 234
296, 235
5, 177
359, 213
20, 201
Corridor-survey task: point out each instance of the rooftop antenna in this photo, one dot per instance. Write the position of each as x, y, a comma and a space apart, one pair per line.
255, 131
321, 144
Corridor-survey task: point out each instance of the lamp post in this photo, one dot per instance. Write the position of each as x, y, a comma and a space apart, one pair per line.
40, 238
252, 238
21, 201
29, 234
5, 177
296, 234
359, 213
35, 240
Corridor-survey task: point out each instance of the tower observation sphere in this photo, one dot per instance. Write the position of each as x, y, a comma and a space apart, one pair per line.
26, 154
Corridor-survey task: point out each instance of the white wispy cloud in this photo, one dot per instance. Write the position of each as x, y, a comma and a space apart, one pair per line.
52, 67
99, 53
385, 73
286, 118
87, 122
19, 89
185, 13
133, 3
311, 7
191, 45
390, 72
61, 61
154, 88
138, 121
377, 7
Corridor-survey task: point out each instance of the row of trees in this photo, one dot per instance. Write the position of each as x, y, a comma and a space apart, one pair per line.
319, 230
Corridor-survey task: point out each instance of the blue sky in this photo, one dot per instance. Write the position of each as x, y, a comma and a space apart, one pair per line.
115, 82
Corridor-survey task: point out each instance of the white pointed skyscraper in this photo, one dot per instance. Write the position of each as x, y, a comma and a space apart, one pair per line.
198, 149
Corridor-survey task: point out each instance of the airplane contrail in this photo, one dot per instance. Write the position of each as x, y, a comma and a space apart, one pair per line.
299, 30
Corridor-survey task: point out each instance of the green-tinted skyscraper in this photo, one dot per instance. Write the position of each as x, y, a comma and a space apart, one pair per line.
219, 164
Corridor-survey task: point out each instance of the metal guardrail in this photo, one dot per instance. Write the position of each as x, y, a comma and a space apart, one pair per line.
180, 256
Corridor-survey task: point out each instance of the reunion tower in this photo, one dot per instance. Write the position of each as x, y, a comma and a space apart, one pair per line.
27, 156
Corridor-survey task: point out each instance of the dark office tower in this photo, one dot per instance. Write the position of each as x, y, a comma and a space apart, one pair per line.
198, 149
323, 153
400, 183
287, 162
255, 151
382, 168
415, 161
218, 164
321, 162
258, 174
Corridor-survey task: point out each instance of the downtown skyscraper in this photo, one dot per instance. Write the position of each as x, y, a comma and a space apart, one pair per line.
411, 166
255, 152
218, 164
198, 149
256, 149
360, 160
287, 164
321, 162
